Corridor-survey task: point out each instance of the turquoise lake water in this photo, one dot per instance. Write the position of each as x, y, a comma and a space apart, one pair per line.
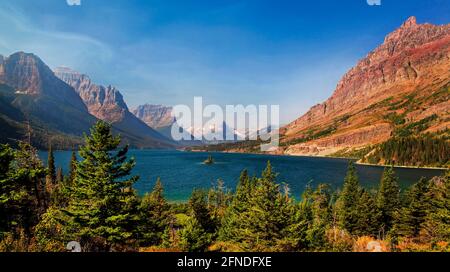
181, 172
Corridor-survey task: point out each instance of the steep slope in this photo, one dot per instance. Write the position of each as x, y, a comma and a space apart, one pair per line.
106, 103
33, 99
31, 93
400, 88
155, 116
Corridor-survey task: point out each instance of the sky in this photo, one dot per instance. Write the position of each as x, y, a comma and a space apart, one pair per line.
287, 53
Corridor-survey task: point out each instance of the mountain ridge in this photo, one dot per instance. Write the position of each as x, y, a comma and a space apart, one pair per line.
395, 97
413, 60
33, 97
108, 104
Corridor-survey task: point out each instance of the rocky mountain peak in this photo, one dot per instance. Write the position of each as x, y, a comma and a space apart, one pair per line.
29, 75
413, 59
411, 22
155, 116
105, 103
24, 72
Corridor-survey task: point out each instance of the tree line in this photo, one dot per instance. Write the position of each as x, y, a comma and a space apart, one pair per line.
41, 209
424, 150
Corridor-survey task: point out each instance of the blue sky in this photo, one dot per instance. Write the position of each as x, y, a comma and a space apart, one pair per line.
290, 53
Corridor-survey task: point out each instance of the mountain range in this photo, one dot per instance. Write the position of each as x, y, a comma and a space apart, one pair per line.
401, 85
400, 89
35, 101
107, 103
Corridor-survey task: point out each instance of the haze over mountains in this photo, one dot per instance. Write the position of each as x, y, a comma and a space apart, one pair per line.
30, 93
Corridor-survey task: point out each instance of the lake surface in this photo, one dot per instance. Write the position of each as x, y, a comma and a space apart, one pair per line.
181, 172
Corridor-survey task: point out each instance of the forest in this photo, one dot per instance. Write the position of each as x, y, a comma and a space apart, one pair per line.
42, 210
419, 151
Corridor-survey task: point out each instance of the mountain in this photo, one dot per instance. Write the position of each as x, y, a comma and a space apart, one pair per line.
158, 117
31, 94
155, 116
399, 89
391, 108
107, 103
34, 100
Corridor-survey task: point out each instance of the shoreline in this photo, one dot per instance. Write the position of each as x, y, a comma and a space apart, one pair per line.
356, 160
404, 166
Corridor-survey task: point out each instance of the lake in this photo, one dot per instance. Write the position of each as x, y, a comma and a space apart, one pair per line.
181, 172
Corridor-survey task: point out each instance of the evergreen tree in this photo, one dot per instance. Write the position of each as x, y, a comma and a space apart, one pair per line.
231, 223
218, 200
193, 238
103, 205
198, 205
155, 216
51, 176
265, 222
321, 217
349, 199
59, 176
72, 168
411, 216
297, 236
168, 238
367, 224
6, 187
388, 199
22, 193
436, 227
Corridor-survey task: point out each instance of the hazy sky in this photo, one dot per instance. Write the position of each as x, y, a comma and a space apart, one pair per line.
290, 53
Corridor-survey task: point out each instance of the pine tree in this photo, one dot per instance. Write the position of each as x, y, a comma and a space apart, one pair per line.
348, 201
72, 168
59, 193
59, 176
388, 199
320, 203
411, 216
198, 206
103, 205
193, 238
155, 216
367, 224
22, 194
436, 227
297, 237
231, 222
6, 187
266, 221
51, 176
168, 238
218, 200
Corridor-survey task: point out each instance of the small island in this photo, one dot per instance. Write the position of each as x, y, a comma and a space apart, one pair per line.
209, 160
